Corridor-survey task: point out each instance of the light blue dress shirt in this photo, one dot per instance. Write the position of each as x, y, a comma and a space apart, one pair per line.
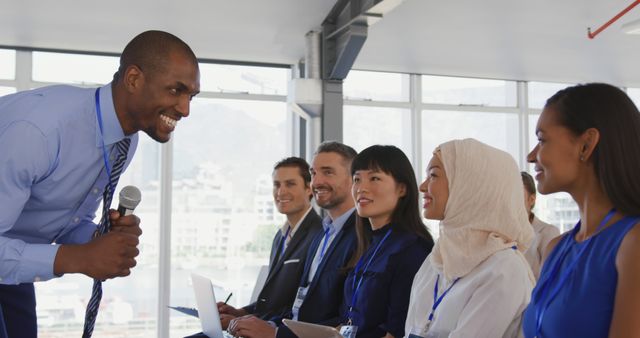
334, 227
53, 176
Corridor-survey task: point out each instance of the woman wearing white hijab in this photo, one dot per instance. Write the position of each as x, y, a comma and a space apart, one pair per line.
476, 282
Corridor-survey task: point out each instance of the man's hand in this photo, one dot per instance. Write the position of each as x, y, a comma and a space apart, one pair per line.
129, 224
230, 310
108, 256
251, 327
225, 319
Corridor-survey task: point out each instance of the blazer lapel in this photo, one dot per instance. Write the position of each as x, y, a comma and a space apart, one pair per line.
295, 241
274, 249
336, 242
312, 249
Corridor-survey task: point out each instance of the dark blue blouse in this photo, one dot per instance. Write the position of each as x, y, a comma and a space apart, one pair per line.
383, 298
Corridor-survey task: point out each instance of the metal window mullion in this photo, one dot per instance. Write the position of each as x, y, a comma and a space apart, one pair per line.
242, 96
468, 108
382, 104
24, 70
38, 84
415, 86
8, 83
164, 264
523, 119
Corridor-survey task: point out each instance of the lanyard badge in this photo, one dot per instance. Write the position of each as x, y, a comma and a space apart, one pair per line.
99, 117
356, 286
300, 296
546, 293
348, 331
422, 333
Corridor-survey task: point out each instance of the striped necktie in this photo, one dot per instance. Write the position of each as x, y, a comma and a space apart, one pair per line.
122, 148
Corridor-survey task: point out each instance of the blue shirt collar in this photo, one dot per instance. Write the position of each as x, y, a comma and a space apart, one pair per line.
338, 223
111, 125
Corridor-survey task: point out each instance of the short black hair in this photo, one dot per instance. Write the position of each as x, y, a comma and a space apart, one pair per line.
299, 163
150, 52
406, 215
616, 157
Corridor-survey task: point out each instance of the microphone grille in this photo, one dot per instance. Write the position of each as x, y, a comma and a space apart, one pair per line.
130, 197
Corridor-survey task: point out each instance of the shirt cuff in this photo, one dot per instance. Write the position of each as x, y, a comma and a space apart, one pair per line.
37, 262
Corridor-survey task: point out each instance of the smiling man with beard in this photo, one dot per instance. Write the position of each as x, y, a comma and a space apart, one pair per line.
320, 292
292, 196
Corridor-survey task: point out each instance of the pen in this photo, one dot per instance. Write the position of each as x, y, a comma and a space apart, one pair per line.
228, 297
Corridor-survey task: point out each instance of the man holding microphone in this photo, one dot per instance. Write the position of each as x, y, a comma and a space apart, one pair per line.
63, 150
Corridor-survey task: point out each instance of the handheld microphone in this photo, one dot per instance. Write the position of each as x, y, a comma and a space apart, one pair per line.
130, 197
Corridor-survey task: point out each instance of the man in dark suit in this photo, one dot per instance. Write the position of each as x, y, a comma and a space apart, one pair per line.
320, 291
292, 196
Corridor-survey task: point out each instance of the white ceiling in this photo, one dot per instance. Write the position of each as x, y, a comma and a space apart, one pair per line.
542, 40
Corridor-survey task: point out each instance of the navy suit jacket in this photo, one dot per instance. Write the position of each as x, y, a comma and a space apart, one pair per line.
280, 288
324, 296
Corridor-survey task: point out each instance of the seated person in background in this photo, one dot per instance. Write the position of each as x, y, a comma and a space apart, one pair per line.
292, 196
476, 282
392, 244
544, 232
320, 293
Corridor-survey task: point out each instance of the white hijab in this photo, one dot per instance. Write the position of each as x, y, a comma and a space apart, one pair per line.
485, 211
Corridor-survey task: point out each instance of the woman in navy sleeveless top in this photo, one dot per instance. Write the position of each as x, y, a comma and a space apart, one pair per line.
589, 146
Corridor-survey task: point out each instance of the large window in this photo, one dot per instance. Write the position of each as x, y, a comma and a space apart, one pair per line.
73, 68
539, 92
243, 79
224, 218
634, 94
6, 90
499, 130
466, 91
376, 86
376, 110
7, 64
365, 126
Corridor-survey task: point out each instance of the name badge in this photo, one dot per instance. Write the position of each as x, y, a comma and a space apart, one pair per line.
302, 293
419, 332
348, 331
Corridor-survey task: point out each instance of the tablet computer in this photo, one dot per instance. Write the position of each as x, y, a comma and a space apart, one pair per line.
308, 330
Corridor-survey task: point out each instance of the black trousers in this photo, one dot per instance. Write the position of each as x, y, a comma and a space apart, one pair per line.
18, 311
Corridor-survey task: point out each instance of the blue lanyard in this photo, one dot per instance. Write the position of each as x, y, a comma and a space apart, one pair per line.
327, 234
284, 240
104, 149
355, 274
544, 301
437, 300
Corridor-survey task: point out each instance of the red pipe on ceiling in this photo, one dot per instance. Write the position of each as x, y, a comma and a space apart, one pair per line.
624, 11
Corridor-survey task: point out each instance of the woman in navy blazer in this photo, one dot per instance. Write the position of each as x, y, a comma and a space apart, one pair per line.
392, 243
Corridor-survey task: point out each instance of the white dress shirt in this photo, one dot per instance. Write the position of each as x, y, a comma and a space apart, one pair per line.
544, 234
486, 303
285, 228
